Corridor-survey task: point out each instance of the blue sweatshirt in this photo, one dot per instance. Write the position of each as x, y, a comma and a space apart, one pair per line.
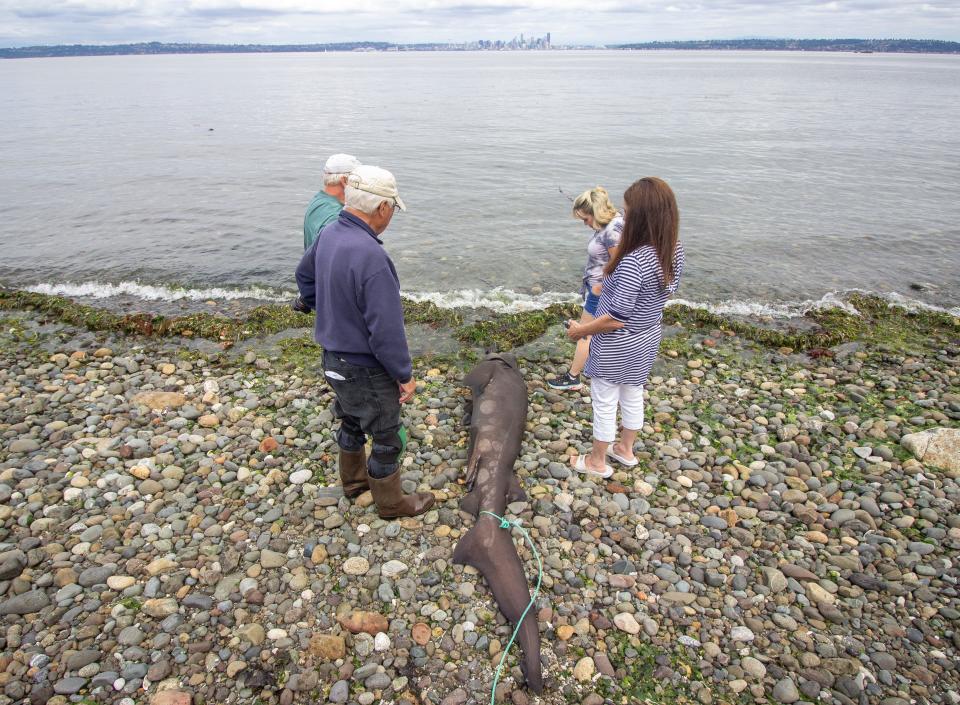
348, 278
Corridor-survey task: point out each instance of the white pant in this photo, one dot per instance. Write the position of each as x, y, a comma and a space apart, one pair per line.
605, 397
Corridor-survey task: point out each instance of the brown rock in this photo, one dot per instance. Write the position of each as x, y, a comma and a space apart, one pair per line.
319, 554
141, 472
360, 621
160, 400
564, 632
268, 445
621, 582
208, 421
421, 633
796, 572
160, 565
328, 647
64, 576
171, 697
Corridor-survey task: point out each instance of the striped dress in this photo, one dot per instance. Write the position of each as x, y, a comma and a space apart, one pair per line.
632, 295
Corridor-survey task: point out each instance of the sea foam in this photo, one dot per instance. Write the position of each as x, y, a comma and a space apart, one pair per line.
499, 300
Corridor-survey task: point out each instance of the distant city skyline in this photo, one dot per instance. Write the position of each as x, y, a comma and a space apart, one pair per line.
35, 22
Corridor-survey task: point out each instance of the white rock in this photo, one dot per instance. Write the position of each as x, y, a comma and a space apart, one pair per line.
625, 622
381, 642
120, 582
300, 476
392, 569
741, 634
643, 488
72, 493
276, 634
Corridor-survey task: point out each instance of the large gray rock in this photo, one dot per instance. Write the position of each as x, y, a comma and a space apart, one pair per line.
938, 447
97, 575
12, 563
23, 445
26, 603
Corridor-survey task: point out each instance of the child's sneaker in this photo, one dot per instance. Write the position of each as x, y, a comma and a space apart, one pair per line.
566, 382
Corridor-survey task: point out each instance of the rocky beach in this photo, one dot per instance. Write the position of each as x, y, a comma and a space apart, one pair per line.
172, 531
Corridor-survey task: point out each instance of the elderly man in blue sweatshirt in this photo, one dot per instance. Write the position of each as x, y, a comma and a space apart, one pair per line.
349, 280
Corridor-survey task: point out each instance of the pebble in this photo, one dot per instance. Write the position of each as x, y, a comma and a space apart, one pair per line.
584, 669
785, 691
300, 476
356, 566
627, 623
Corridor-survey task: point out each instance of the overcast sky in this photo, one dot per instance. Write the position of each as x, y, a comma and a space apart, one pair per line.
25, 22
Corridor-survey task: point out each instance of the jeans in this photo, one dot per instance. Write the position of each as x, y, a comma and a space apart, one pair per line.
367, 403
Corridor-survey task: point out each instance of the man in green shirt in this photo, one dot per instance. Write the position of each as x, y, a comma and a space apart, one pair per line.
327, 204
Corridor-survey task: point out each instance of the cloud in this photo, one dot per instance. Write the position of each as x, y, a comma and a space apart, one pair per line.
604, 21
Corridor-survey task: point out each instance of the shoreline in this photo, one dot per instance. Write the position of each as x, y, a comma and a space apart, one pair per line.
869, 318
779, 543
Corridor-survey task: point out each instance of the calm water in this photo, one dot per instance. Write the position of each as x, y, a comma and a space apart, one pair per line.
797, 174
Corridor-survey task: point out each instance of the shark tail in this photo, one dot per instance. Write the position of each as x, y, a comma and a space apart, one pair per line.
490, 549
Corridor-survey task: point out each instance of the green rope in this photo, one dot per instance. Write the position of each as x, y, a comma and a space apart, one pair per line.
506, 524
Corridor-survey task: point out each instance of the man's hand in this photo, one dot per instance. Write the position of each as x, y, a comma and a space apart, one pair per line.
407, 390
298, 304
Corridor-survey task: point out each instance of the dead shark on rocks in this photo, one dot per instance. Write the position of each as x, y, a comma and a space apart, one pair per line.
498, 415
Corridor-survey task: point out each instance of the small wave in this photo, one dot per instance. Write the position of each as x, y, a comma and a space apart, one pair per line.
152, 292
499, 300
785, 310
912, 305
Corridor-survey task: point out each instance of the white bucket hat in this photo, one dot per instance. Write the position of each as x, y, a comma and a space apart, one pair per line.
375, 180
341, 164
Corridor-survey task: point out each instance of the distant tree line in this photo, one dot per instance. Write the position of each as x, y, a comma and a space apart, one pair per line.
918, 46
181, 48
924, 46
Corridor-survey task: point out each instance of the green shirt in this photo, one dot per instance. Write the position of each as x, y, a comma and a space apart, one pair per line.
323, 209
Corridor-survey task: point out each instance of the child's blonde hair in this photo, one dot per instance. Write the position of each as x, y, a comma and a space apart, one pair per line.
595, 202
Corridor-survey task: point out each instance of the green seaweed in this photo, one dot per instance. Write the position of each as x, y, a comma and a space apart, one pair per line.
879, 324
509, 330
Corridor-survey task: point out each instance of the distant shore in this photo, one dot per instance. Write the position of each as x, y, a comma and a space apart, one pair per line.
867, 46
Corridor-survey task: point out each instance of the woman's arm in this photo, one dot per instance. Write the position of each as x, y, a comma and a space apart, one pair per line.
605, 324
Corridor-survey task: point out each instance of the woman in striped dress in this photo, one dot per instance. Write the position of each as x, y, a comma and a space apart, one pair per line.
642, 274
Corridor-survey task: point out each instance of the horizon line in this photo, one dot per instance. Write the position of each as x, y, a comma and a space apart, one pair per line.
474, 41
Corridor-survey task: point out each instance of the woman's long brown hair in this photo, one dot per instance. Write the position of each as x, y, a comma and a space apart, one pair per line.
652, 218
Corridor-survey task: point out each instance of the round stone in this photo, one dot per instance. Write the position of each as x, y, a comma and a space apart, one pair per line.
300, 476
357, 565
